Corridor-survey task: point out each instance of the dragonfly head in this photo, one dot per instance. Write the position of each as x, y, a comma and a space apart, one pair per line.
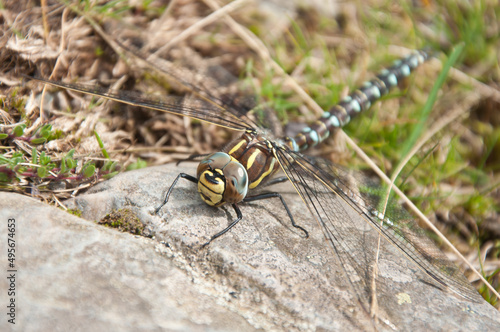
221, 179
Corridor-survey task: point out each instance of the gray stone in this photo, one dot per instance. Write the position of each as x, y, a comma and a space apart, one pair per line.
77, 275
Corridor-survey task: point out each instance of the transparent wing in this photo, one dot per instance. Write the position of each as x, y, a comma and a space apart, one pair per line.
330, 191
195, 108
203, 82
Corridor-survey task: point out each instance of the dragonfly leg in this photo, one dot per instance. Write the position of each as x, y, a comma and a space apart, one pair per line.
281, 179
224, 231
274, 194
191, 158
181, 175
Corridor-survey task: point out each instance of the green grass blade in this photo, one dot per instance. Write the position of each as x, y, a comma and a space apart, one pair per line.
101, 145
426, 110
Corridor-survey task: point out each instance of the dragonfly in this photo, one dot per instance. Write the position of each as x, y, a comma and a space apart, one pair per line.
235, 174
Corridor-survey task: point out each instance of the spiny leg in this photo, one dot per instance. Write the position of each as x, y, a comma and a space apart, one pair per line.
275, 194
181, 175
274, 181
192, 158
238, 218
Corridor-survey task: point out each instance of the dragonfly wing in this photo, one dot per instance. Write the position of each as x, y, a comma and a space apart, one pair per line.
202, 82
338, 224
191, 107
328, 190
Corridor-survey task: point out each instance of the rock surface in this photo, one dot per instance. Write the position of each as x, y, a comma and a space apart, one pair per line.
74, 274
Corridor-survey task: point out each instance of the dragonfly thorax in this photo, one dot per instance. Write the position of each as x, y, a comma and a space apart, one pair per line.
254, 152
221, 179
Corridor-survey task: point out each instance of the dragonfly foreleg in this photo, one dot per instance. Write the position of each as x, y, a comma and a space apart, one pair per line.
280, 179
191, 158
181, 175
274, 194
238, 218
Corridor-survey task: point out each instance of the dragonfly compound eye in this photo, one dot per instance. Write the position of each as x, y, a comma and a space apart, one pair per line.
221, 179
236, 182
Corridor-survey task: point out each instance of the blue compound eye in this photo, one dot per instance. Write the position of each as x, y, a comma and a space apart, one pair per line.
236, 182
215, 160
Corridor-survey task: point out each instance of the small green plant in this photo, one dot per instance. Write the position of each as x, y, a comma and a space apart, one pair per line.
42, 134
137, 165
42, 167
19, 167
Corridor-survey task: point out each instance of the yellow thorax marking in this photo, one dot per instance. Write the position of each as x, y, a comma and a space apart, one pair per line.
252, 158
263, 176
237, 146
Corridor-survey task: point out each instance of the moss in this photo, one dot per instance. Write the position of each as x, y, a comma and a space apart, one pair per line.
124, 220
75, 212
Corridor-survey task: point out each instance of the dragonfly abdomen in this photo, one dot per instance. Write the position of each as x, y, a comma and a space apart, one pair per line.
356, 102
